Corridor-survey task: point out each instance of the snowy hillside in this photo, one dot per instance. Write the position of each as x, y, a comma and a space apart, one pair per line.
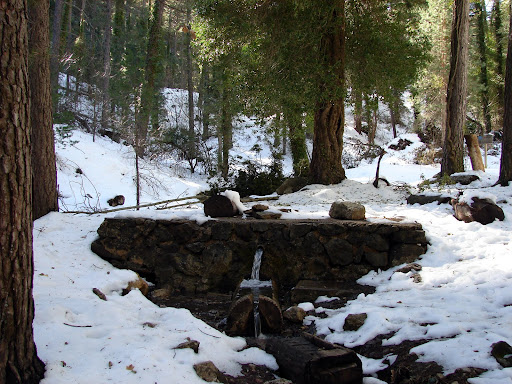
462, 305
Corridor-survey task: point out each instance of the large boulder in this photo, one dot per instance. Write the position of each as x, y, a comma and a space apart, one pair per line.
346, 210
220, 206
463, 178
483, 211
427, 199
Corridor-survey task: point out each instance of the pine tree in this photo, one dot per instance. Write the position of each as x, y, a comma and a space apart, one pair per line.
19, 363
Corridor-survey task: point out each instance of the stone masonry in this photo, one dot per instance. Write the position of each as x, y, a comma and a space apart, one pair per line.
189, 258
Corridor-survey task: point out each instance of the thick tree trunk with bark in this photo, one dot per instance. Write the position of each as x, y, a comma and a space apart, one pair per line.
329, 123
453, 156
18, 356
44, 171
506, 152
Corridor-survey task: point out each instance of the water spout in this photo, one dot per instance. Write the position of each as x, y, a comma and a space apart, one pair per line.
255, 284
256, 265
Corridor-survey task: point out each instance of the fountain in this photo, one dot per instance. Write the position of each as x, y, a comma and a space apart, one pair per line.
255, 284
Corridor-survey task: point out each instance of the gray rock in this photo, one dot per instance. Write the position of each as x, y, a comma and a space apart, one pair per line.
192, 344
354, 321
294, 314
416, 278
426, 199
464, 179
502, 352
209, 372
480, 210
410, 267
259, 207
266, 215
346, 210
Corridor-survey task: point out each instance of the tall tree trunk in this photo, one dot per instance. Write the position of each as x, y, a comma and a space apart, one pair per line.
55, 50
453, 156
482, 52
190, 84
18, 355
147, 97
498, 58
506, 151
105, 106
329, 119
204, 100
44, 172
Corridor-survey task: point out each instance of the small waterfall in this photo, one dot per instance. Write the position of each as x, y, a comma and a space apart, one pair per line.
256, 265
255, 284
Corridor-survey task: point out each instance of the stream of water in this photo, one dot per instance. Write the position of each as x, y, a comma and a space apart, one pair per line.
254, 283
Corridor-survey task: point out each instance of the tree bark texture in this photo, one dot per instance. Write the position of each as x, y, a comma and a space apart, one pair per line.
18, 356
329, 119
44, 171
453, 156
506, 151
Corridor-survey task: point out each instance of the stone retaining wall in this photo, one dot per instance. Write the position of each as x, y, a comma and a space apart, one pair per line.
217, 255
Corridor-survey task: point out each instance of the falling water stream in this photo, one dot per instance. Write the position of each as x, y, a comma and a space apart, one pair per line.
255, 284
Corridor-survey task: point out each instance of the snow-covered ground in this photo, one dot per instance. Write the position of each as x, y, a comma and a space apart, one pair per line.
462, 305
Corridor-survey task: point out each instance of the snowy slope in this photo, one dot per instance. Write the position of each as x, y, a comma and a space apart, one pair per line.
463, 304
